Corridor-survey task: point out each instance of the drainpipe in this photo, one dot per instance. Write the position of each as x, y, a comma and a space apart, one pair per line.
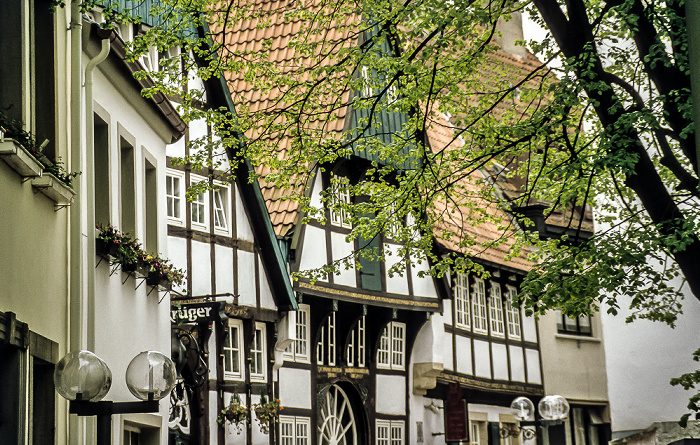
89, 175
76, 340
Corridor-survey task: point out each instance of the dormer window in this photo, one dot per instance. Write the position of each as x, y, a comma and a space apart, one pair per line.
338, 202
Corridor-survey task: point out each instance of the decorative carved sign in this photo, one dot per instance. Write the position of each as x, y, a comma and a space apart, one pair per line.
195, 312
455, 415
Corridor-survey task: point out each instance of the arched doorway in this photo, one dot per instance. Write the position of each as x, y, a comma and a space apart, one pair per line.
340, 421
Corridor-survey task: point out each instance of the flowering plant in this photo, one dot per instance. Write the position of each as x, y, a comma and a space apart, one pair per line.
128, 252
235, 413
267, 412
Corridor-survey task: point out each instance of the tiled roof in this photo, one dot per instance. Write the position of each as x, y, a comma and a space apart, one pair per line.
272, 23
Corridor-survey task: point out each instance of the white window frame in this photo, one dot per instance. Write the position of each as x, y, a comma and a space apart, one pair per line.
331, 339
339, 217
177, 197
297, 425
389, 432
497, 325
391, 353
224, 193
299, 350
366, 90
479, 319
202, 199
261, 353
235, 329
356, 346
474, 434
513, 314
462, 304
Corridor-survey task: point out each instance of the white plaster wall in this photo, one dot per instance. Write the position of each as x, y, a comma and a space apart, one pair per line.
482, 359
314, 250
532, 359
464, 354
343, 249
224, 269
398, 283
422, 287
258, 437
500, 361
294, 387
517, 363
127, 319
493, 413
246, 278
529, 329
201, 268
266, 300
245, 232
391, 394
447, 311
176, 150
428, 344
432, 422
315, 192
641, 359
177, 254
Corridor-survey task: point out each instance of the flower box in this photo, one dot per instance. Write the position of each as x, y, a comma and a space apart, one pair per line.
54, 189
156, 279
19, 159
106, 249
130, 267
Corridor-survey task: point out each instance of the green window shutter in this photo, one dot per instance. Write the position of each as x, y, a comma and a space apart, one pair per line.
494, 433
370, 271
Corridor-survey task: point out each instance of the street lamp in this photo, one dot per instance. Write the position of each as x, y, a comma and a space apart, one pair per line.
84, 379
553, 410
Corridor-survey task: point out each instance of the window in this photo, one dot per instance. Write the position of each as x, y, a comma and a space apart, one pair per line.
128, 188
496, 310
257, 353
326, 343
325, 349
355, 352
512, 314
339, 197
221, 208
299, 350
366, 85
199, 210
151, 211
173, 193
474, 434
232, 350
580, 325
294, 430
391, 351
479, 306
390, 432
131, 435
461, 290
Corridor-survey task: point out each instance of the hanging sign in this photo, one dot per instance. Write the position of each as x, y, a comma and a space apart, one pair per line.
455, 415
195, 312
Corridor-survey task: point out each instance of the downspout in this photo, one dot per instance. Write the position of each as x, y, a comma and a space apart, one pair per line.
89, 175
76, 428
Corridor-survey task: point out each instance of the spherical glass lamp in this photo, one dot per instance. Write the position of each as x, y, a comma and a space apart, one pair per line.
522, 408
81, 375
554, 408
150, 376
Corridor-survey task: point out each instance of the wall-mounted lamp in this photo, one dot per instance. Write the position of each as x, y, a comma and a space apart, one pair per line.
84, 379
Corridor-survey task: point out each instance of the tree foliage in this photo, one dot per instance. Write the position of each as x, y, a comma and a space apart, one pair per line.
604, 121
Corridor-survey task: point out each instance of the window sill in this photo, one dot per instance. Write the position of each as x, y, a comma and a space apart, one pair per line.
54, 189
19, 159
577, 337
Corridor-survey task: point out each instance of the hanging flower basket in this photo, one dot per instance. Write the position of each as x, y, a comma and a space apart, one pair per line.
267, 413
236, 413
